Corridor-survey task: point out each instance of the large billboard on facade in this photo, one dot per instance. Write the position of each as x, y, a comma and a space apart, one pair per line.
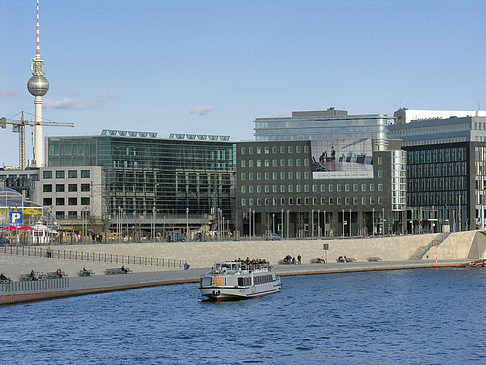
342, 158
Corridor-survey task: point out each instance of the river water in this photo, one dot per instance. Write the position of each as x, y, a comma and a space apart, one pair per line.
423, 316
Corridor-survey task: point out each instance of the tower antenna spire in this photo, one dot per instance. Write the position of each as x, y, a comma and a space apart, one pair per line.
37, 50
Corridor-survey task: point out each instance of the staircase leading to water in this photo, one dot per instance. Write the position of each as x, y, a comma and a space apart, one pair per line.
424, 249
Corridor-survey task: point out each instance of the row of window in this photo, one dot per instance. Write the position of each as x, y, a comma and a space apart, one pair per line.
437, 170
435, 156
437, 199
311, 201
266, 150
72, 214
298, 188
266, 163
436, 184
61, 174
60, 188
71, 201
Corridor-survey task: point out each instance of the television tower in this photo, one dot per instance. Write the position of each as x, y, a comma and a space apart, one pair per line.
38, 86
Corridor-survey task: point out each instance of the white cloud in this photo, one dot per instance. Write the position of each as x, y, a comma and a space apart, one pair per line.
76, 104
8, 93
202, 110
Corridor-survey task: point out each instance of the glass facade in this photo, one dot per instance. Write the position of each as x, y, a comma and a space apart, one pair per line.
143, 174
329, 124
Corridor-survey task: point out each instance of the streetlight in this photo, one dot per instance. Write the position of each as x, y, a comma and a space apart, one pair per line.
154, 212
273, 222
249, 223
318, 223
281, 221
312, 223
187, 224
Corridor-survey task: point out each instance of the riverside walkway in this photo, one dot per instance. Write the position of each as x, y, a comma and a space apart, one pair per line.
106, 283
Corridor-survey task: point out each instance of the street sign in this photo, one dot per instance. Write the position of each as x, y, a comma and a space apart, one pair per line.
16, 218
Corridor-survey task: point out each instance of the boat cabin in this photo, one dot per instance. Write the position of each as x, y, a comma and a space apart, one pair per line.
226, 266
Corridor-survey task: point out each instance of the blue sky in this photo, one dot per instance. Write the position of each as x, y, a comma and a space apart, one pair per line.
214, 66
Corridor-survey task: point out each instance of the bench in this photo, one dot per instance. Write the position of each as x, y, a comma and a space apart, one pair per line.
117, 270
53, 275
86, 273
38, 276
374, 258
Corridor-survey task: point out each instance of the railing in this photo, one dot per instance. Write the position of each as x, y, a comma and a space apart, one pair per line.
91, 256
34, 285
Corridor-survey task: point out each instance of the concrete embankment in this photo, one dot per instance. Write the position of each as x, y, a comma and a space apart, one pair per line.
394, 252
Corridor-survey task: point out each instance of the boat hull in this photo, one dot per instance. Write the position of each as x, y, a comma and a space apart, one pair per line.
238, 293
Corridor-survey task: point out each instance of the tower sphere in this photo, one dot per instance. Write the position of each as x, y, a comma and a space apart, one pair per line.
38, 85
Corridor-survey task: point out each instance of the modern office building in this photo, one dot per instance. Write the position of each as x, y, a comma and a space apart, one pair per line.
312, 188
404, 115
322, 124
178, 183
446, 167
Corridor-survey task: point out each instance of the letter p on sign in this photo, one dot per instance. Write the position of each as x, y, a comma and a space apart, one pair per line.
16, 218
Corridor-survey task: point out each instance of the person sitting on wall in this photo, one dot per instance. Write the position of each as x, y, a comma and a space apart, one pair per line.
32, 276
123, 269
186, 266
3, 277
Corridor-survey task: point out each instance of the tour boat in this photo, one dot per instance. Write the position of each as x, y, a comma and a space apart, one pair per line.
232, 280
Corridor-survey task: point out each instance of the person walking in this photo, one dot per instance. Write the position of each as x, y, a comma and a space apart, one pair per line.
299, 259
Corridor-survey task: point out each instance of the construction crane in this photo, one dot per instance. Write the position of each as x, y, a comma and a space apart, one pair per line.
19, 127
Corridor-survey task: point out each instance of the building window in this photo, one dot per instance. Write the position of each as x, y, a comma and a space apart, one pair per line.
251, 189
59, 201
363, 187
259, 188
306, 188
346, 187
380, 200
298, 188
314, 201
282, 162
274, 175
60, 174
267, 176
59, 215
331, 201
72, 188
274, 163
47, 188
380, 174
251, 202
282, 188
267, 150
267, 188
243, 189
291, 201
267, 201
306, 201
72, 214
380, 187
243, 176
274, 149
47, 201
243, 150
347, 200
298, 162
363, 200
250, 150
243, 202
306, 162
306, 149
323, 188
338, 187
243, 163
47, 174
85, 201
259, 150
298, 175
297, 201
282, 175
259, 163
298, 149
275, 188
338, 201
259, 176
306, 175
73, 201
282, 149
72, 174
85, 174
291, 149
380, 160
372, 187
291, 189
355, 187
290, 162
291, 175
355, 200
331, 188
250, 163
372, 200
60, 188
282, 201
314, 188
250, 176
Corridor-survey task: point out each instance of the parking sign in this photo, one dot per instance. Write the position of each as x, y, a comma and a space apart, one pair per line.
16, 218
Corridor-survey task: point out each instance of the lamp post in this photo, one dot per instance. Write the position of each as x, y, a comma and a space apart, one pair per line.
249, 223
318, 223
312, 223
343, 223
350, 223
273, 222
373, 221
288, 222
281, 221
187, 224
325, 222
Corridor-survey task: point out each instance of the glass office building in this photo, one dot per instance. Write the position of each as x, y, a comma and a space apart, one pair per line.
183, 179
324, 124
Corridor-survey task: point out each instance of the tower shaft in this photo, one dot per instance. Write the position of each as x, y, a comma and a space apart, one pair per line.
39, 138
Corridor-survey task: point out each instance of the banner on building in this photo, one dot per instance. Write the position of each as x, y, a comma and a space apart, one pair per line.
342, 158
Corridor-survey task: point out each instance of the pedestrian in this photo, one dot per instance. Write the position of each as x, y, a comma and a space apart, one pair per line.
299, 259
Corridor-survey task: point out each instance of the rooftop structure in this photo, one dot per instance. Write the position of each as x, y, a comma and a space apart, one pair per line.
404, 115
322, 124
